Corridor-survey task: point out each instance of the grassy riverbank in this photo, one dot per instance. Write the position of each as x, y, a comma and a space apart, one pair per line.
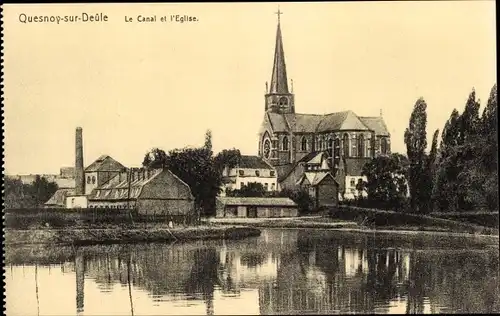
88, 236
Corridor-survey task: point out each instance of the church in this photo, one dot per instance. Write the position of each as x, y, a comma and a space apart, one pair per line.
290, 141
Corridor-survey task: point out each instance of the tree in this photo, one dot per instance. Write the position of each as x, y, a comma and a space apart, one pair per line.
155, 158
227, 158
387, 181
301, 197
208, 140
429, 176
416, 143
252, 189
196, 167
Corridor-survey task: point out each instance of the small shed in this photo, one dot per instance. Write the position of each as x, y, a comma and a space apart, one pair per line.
255, 207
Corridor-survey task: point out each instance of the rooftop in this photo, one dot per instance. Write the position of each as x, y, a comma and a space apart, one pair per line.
255, 201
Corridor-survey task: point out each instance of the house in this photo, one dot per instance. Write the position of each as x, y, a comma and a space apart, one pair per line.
318, 180
250, 169
255, 207
149, 191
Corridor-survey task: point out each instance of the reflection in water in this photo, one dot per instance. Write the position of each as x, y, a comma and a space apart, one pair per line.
281, 272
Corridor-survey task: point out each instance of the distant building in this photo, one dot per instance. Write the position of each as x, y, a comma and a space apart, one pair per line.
286, 137
250, 169
254, 207
150, 191
58, 199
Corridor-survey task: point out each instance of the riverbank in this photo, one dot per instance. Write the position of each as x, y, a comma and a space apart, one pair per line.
116, 235
288, 222
428, 225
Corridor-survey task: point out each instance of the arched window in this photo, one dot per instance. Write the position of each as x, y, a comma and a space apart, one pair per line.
283, 101
267, 148
285, 143
383, 146
336, 149
361, 146
303, 145
88, 179
93, 179
345, 143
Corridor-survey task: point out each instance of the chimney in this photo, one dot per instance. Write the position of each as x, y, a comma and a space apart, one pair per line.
79, 173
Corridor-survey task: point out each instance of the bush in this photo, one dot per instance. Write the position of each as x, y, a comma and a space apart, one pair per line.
300, 196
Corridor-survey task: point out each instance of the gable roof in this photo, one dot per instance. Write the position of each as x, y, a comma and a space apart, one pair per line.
256, 201
105, 163
59, 197
346, 120
315, 178
253, 162
376, 124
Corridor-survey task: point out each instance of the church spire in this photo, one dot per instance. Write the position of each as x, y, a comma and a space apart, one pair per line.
279, 80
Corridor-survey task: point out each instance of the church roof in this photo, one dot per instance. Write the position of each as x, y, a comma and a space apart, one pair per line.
279, 80
314, 123
105, 163
376, 124
253, 162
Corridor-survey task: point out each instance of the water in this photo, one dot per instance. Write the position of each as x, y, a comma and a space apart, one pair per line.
280, 272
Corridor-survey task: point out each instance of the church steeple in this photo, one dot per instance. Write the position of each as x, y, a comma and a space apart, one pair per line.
279, 79
278, 98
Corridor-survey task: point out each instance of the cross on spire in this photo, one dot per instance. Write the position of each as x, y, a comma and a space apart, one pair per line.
278, 13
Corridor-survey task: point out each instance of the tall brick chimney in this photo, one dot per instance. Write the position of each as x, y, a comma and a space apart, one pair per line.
79, 173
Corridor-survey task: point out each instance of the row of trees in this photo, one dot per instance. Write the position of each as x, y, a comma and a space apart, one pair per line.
460, 174
27, 195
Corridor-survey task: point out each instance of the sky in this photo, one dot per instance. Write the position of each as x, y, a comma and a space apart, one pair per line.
134, 86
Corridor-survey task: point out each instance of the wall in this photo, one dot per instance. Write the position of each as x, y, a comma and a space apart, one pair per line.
327, 192
76, 201
90, 182
165, 207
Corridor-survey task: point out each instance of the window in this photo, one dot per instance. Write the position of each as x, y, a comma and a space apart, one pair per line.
369, 147
285, 143
266, 186
241, 172
272, 173
353, 182
257, 173
345, 141
303, 145
267, 148
242, 184
330, 143
361, 146
93, 179
283, 101
336, 150
88, 179
383, 145
273, 187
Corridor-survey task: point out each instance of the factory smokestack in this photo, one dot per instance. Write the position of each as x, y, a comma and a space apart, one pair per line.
79, 176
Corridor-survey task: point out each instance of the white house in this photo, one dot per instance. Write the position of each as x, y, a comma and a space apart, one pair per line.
250, 169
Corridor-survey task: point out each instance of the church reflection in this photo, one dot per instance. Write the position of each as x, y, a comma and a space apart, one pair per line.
294, 273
